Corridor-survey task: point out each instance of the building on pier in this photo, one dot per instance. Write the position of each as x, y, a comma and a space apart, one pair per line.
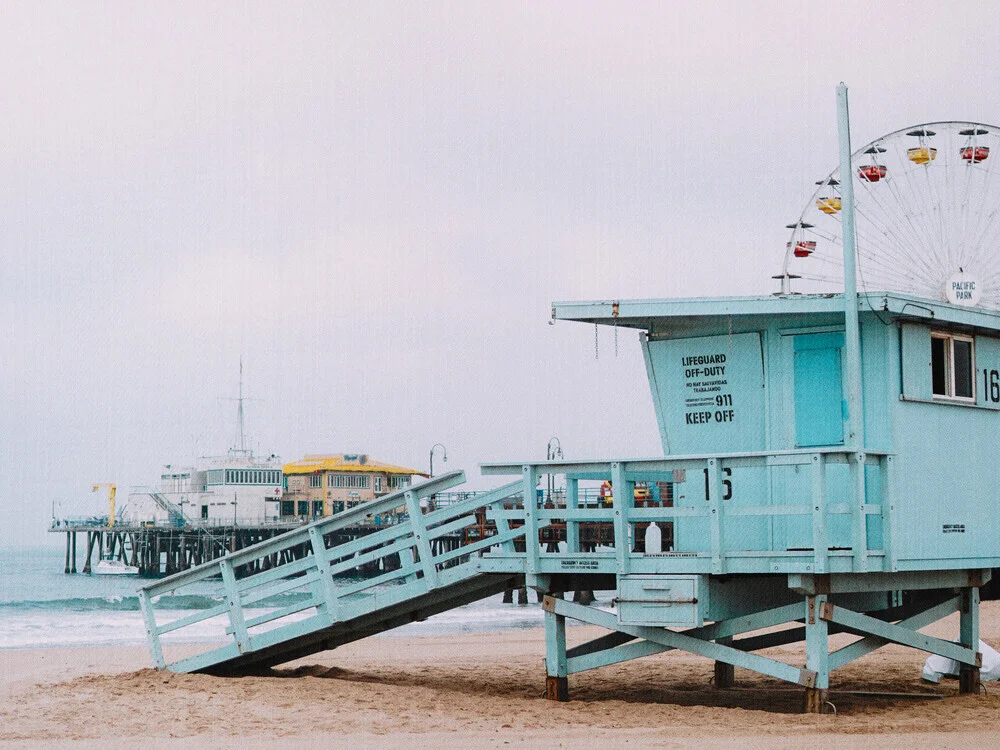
237, 487
322, 485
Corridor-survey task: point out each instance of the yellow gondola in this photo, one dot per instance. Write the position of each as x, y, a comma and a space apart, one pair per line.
921, 154
828, 205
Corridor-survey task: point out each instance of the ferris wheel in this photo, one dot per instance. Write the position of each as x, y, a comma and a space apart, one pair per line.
927, 217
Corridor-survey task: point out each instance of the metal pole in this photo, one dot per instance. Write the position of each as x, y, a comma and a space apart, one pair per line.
852, 336
444, 451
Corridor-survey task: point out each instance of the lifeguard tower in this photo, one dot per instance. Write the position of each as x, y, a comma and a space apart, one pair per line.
828, 462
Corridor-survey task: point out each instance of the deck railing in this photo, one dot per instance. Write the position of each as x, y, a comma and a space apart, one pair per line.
838, 532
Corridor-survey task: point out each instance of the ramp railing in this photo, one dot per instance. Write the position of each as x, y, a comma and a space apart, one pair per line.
314, 577
816, 510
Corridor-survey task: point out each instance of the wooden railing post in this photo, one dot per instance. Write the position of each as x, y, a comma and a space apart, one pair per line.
326, 589
621, 503
423, 544
821, 545
859, 520
149, 618
572, 503
530, 519
235, 607
887, 476
714, 468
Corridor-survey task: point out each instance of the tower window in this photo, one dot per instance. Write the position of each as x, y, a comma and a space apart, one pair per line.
953, 366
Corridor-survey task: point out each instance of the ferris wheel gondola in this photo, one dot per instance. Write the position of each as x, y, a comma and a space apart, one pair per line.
927, 208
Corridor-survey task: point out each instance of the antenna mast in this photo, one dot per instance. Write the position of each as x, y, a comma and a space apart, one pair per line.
241, 443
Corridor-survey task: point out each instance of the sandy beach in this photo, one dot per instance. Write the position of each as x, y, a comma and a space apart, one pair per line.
481, 690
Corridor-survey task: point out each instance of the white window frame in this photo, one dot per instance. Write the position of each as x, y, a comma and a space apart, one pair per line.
949, 364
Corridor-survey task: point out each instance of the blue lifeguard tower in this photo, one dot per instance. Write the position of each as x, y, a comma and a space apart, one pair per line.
828, 462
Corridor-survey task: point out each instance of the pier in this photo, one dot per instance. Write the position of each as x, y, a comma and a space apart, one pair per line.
159, 549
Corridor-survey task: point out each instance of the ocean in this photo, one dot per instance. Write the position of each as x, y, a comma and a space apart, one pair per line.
42, 607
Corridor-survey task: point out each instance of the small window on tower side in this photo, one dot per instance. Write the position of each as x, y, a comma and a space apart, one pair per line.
962, 351
953, 366
939, 367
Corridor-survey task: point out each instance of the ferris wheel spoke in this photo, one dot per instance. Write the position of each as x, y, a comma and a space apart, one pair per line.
977, 245
913, 198
918, 200
885, 232
923, 235
883, 220
980, 246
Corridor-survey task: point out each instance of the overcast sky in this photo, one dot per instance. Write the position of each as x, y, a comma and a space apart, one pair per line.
374, 204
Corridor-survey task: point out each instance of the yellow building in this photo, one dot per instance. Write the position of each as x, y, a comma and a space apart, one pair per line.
323, 485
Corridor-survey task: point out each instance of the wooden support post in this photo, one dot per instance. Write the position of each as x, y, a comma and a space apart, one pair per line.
556, 682
817, 655
73, 559
968, 675
725, 674
66, 570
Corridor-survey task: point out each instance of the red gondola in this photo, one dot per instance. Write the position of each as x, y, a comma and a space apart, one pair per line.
872, 172
803, 248
975, 154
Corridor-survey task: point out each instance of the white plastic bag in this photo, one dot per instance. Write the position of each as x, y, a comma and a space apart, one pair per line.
937, 667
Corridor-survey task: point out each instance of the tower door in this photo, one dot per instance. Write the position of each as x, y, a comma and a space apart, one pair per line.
819, 396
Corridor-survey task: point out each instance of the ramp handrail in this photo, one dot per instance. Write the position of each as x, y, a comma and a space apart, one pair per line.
267, 590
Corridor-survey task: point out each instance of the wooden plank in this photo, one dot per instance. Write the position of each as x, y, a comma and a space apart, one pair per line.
475, 502
769, 510
199, 616
282, 587
277, 614
898, 634
865, 646
405, 570
695, 645
490, 541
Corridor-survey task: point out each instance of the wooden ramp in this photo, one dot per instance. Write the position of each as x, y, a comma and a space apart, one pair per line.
299, 593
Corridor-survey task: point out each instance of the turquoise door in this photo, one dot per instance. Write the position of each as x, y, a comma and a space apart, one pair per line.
819, 398
819, 421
